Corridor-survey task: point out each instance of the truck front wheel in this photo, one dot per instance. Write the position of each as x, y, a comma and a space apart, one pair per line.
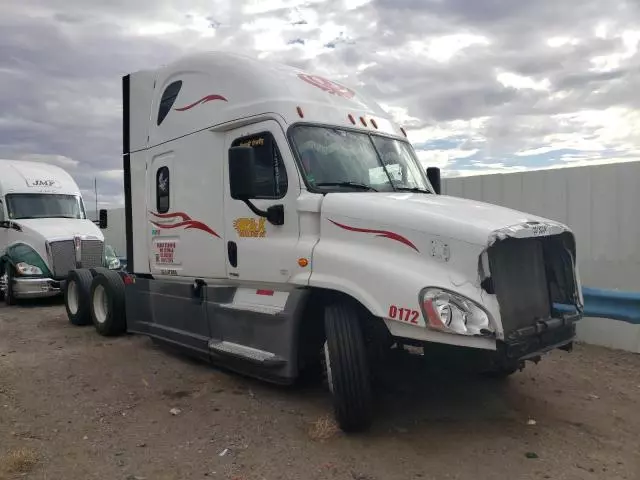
9, 297
347, 368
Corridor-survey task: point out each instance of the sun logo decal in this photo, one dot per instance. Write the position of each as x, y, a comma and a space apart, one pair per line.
250, 227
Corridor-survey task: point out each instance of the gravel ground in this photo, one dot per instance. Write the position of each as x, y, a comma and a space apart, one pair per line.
74, 405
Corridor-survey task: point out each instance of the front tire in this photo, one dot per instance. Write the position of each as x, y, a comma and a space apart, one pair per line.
107, 303
9, 296
347, 368
76, 297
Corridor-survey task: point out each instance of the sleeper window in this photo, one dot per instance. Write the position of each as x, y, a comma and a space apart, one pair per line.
271, 175
168, 98
162, 189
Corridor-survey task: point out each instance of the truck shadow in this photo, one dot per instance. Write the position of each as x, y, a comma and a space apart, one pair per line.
40, 302
419, 397
412, 397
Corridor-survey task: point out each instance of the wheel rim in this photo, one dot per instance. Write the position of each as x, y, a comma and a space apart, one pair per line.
72, 297
327, 366
100, 304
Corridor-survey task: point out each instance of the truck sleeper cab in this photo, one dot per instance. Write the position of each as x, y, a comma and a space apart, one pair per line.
275, 219
44, 231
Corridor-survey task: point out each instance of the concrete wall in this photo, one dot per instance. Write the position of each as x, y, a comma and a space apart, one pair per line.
601, 203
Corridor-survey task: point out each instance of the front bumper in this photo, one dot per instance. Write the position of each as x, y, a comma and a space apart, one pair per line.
529, 347
36, 287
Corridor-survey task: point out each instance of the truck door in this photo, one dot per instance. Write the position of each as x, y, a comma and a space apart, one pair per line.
258, 251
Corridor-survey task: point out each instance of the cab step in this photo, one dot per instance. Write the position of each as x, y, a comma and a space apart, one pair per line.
251, 354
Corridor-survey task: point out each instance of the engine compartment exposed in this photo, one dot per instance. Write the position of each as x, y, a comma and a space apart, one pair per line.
531, 278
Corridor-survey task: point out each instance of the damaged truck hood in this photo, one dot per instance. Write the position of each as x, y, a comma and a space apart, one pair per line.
466, 220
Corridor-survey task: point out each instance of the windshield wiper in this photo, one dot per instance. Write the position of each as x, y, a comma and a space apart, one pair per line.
361, 186
412, 189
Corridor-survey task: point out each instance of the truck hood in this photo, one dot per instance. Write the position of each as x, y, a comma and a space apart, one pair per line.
59, 228
470, 221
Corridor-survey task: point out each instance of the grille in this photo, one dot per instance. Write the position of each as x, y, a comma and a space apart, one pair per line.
92, 253
63, 257
520, 282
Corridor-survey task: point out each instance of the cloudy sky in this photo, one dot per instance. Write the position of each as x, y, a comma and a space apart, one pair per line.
481, 85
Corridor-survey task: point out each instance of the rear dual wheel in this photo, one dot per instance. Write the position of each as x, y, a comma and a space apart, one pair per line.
76, 296
96, 296
107, 303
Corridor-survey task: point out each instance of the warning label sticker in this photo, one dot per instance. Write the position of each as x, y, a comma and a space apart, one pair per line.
165, 252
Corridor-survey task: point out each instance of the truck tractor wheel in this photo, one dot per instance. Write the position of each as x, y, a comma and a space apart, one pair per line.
107, 304
9, 297
76, 297
347, 368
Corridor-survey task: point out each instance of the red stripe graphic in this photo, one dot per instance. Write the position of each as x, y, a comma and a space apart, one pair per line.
181, 215
186, 222
206, 99
379, 233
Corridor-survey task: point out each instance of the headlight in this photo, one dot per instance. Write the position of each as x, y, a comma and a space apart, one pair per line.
449, 312
26, 269
114, 263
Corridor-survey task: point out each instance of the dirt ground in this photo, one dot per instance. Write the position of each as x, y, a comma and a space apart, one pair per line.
74, 405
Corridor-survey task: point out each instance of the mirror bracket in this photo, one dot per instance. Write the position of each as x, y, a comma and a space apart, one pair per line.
274, 214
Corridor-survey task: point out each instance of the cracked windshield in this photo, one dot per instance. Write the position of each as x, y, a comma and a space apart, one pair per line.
332, 157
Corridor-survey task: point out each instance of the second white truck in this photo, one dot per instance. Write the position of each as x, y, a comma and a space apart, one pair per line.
44, 230
276, 218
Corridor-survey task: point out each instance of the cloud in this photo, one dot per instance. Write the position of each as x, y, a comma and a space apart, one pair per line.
59, 160
481, 86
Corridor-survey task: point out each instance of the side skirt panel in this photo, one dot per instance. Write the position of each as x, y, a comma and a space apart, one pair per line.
169, 312
228, 326
259, 340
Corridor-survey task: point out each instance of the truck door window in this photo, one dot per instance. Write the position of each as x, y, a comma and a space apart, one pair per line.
168, 98
162, 190
271, 175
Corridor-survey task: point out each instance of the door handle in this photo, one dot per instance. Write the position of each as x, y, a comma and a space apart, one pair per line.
232, 253
196, 288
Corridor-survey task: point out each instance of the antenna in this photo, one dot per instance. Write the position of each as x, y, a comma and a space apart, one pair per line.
95, 190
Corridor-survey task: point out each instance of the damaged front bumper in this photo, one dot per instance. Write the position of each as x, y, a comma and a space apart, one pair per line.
531, 342
531, 270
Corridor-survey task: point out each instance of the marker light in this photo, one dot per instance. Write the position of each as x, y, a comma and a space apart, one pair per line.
300, 112
353, 120
363, 121
373, 122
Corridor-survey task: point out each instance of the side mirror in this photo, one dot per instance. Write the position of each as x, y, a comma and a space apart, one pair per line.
242, 176
242, 164
433, 174
102, 223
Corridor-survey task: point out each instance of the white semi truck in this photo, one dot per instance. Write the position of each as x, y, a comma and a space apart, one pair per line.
276, 218
44, 230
